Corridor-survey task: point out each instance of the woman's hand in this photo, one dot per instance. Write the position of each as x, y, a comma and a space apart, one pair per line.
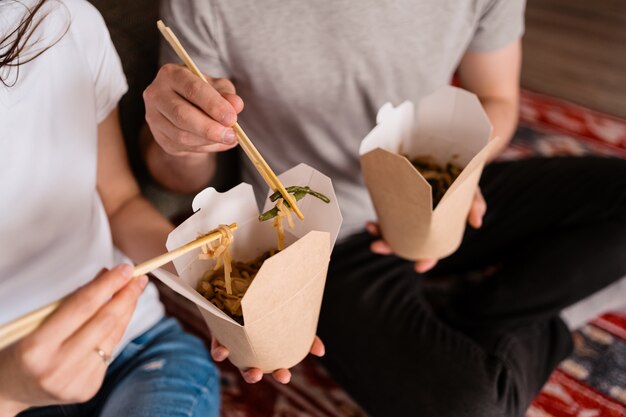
65, 359
474, 218
254, 375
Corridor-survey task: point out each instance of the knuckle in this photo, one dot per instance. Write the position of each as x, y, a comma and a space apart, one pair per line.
149, 93
110, 318
218, 109
132, 298
31, 358
192, 90
210, 132
149, 117
167, 70
179, 114
88, 300
126, 304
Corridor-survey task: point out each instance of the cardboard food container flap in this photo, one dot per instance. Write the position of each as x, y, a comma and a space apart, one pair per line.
281, 306
449, 125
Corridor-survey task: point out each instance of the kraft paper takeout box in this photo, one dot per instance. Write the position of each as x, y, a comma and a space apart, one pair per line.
450, 124
282, 305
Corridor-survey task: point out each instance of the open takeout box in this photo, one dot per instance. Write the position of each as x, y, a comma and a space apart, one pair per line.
450, 124
281, 307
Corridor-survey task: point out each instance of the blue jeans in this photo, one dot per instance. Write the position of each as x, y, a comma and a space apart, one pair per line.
165, 372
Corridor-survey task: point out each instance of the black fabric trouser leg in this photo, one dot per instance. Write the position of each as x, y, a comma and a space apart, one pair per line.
556, 227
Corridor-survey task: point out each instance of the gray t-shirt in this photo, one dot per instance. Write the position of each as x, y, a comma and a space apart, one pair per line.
313, 73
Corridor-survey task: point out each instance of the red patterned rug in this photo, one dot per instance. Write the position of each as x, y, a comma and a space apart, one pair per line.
591, 383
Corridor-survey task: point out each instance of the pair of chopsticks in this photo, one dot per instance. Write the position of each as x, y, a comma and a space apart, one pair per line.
22, 326
246, 144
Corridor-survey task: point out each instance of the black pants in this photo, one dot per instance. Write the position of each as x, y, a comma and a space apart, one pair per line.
555, 229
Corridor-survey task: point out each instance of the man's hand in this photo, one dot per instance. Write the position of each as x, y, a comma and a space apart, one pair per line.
474, 218
187, 115
477, 210
59, 362
254, 375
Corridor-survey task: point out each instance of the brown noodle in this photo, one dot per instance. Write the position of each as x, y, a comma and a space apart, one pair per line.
439, 177
213, 286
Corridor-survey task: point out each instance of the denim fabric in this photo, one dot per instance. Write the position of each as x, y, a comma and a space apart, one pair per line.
163, 373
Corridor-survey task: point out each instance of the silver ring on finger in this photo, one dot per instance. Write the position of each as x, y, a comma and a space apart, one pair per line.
103, 355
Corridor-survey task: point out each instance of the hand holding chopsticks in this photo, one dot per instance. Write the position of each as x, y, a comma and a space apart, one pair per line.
24, 325
248, 147
65, 359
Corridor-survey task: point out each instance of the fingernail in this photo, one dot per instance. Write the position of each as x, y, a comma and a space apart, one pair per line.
228, 137
322, 351
125, 270
252, 378
142, 281
219, 354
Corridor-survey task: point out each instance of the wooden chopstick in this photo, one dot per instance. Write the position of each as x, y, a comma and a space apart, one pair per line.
152, 264
22, 326
246, 144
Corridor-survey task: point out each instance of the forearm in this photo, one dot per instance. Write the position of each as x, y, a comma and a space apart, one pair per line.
139, 230
494, 78
185, 173
503, 114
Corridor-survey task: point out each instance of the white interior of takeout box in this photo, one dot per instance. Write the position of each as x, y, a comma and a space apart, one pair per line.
252, 237
450, 124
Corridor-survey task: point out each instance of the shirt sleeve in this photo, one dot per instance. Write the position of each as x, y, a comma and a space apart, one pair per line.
102, 59
194, 24
500, 24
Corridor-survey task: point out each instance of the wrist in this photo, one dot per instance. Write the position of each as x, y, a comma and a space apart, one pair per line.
185, 173
10, 387
9, 408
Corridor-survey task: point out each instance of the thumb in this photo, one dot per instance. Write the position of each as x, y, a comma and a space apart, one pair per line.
477, 210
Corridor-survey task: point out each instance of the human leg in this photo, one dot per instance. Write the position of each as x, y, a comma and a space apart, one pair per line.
533, 199
556, 228
164, 372
397, 358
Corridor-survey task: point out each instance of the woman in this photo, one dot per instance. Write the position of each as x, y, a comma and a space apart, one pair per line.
68, 200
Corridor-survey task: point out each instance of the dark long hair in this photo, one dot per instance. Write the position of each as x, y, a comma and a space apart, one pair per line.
13, 44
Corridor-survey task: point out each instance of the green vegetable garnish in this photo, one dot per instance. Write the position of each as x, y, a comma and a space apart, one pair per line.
298, 193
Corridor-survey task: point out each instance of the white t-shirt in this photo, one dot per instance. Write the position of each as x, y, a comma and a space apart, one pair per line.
54, 233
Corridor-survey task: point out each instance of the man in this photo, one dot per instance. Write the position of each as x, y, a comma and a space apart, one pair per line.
312, 76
